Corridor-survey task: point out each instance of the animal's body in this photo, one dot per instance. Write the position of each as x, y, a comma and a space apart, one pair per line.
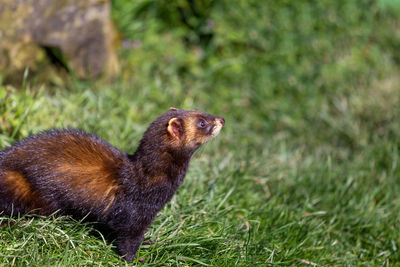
79, 174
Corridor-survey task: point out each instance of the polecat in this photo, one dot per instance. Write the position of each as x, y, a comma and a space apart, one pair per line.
77, 174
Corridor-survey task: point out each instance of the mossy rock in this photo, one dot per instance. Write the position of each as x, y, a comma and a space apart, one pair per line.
81, 31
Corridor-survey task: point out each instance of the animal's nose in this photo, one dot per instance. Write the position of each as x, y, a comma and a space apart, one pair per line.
222, 121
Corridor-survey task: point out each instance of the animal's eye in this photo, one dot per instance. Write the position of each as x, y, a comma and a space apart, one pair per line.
202, 124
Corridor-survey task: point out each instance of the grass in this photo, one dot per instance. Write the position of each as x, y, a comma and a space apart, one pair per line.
325, 195
306, 170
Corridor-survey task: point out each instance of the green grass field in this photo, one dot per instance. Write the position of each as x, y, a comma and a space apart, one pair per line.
306, 170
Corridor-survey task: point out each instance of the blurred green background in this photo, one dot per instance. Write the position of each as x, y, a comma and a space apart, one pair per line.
307, 168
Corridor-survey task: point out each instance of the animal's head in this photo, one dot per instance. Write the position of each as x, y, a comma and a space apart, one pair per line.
180, 131
192, 128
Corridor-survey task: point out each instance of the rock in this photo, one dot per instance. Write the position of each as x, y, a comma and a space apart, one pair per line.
81, 31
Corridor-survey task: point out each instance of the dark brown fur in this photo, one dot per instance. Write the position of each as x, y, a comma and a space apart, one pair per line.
80, 174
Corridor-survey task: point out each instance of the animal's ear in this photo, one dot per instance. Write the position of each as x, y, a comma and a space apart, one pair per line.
175, 128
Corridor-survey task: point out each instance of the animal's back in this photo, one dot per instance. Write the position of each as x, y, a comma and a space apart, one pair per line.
65, 170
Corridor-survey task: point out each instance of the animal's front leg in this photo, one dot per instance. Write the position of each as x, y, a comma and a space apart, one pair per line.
128, 243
